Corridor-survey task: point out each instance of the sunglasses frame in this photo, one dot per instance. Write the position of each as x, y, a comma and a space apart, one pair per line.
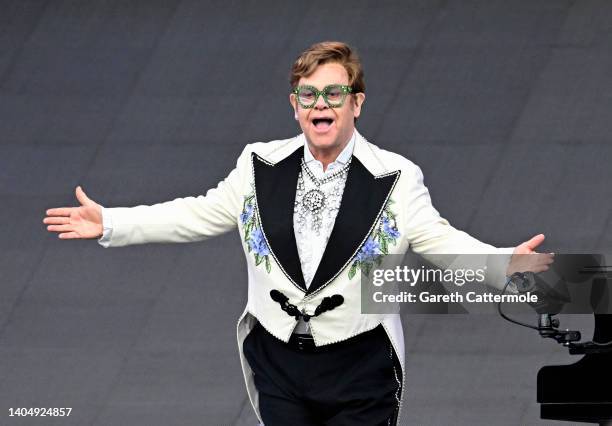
345, 91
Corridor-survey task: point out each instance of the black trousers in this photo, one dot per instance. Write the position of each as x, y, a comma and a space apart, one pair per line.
354, 382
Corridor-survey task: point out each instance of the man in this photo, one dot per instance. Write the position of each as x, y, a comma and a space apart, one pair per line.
312, 211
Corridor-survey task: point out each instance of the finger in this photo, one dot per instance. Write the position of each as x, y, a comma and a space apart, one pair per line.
536, 269
60, 228
535, 241
546, 256
57, 220
60, 211
81, 196
69, 235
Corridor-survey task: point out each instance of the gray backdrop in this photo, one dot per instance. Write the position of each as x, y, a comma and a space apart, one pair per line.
504, 104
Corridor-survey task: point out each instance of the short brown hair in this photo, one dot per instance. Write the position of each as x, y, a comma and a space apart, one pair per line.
326, 52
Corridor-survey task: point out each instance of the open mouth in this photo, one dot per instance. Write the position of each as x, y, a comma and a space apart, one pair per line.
322, 123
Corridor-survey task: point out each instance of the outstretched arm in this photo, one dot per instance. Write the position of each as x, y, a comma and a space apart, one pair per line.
180, 220
431, 234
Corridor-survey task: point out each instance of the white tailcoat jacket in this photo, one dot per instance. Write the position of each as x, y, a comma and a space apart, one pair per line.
258, 197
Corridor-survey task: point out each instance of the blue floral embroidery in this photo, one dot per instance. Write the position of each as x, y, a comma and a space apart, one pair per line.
257, 243
368, 251
253, 235
389, 228
376, 245
247, 213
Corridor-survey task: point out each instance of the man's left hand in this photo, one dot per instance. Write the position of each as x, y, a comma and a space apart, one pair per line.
525, 258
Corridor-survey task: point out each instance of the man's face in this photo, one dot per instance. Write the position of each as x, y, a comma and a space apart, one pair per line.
327, 128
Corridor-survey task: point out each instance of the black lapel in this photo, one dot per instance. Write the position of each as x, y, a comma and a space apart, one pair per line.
275, 187
362, 202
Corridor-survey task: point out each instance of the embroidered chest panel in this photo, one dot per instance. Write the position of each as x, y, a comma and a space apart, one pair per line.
376, 245
364, 228
254, 237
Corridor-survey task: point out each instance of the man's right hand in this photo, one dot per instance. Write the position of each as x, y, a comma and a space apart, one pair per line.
76, 222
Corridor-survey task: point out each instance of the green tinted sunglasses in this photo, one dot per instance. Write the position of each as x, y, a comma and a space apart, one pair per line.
334, 95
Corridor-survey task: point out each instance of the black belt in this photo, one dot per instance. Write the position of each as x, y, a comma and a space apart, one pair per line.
304, 343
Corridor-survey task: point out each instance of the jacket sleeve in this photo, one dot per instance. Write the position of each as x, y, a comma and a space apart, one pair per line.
431, 235
182, 219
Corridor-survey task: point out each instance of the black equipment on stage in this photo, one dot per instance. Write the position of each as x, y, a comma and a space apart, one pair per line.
579, 392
